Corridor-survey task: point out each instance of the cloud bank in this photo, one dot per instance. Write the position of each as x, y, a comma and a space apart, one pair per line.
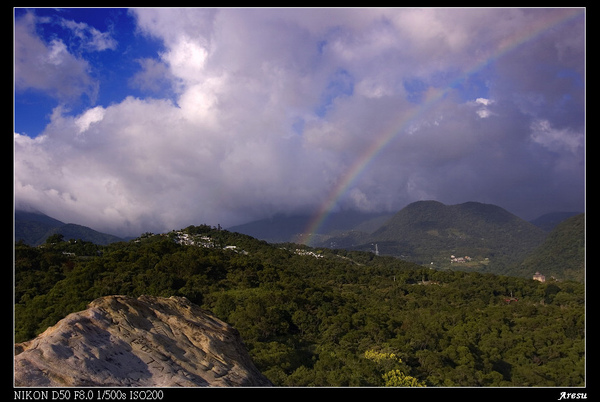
260, 111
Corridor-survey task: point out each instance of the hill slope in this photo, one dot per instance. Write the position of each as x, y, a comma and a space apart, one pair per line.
34, 228
562, 255
429, 231
148, 341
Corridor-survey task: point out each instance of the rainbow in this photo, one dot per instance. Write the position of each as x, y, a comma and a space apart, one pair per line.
530, 33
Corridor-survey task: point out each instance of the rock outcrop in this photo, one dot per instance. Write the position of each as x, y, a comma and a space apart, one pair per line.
148, 341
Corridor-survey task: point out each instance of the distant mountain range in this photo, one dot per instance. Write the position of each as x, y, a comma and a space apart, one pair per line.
468, 236
286, 228
34, 228
549, 221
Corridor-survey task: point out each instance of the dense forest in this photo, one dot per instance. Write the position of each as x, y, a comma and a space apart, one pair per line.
321, 317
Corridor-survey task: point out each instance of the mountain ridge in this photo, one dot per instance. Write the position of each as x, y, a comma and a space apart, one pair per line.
550, 220
431, 232
282, 228
35, 227
479, 236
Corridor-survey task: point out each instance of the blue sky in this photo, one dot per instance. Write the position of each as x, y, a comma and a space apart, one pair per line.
154, 119
111, 64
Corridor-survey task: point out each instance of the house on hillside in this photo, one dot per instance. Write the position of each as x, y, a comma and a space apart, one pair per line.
459, 259
539, 277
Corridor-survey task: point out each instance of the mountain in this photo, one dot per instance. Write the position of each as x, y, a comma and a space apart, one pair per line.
277, 229
562, 255
148, 341
429, 231
550, 220
480, 236
284, 228
34, 228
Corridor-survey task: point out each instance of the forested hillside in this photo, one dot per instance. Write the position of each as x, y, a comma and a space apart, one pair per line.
320, 317
429, 231
34, 228
562, 255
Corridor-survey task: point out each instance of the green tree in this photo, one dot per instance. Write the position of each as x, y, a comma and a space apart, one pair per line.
393, 377
55, 238
396, 378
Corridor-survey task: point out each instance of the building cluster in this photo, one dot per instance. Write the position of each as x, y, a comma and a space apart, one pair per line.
454, 258
202, 241
188, 240
300, 251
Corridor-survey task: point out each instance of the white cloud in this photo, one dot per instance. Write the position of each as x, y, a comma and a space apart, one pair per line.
483, 111
93, 115
154, 76
49, 67
186, 59
57, 53
554, 139
361, 201
171, 24
146, 165
91, 38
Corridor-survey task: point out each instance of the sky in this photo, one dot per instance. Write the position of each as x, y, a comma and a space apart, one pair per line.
154, 119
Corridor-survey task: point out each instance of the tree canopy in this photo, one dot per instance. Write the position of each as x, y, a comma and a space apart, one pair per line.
320, 317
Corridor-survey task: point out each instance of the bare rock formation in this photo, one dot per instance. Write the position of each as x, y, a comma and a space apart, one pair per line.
148, 341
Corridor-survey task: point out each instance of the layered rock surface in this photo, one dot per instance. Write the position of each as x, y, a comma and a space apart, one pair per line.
148, 341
